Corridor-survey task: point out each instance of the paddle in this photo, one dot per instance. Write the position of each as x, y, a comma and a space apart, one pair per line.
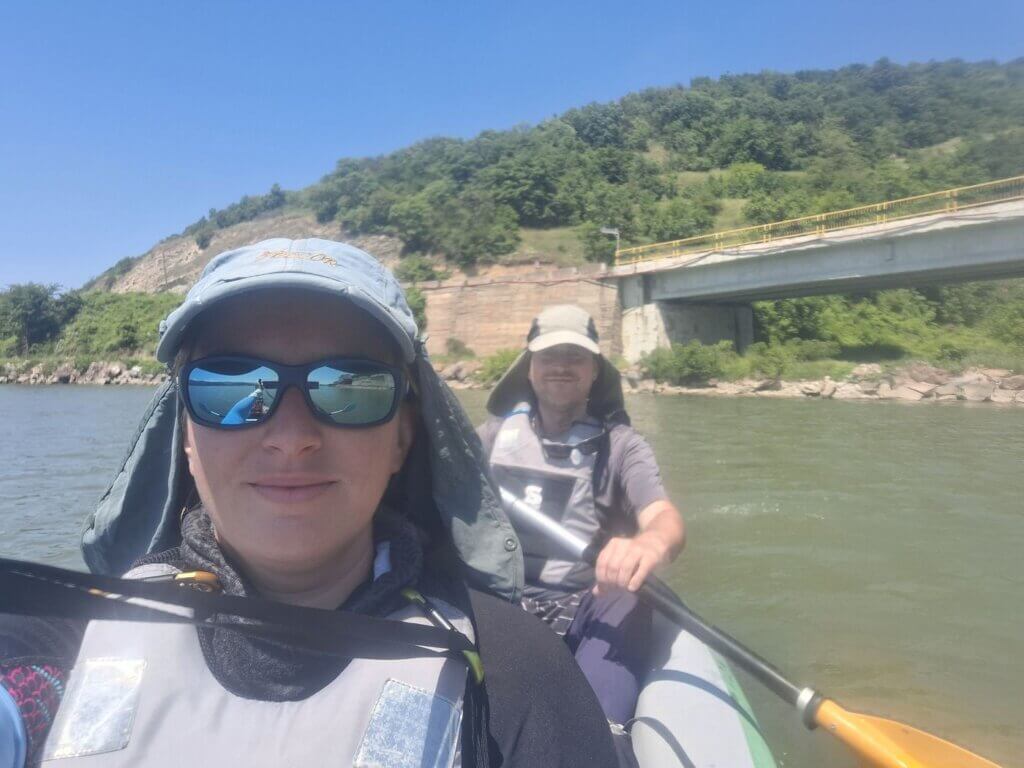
881, 742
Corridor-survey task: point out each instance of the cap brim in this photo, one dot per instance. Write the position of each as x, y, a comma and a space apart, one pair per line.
181, 319
554, 338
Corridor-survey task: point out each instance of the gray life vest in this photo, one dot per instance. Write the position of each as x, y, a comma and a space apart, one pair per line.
560, 486
142, 694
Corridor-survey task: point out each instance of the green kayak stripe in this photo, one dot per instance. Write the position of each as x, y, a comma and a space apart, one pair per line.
760, 753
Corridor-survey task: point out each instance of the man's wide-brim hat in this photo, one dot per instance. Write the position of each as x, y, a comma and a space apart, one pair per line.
556, 325
139, 513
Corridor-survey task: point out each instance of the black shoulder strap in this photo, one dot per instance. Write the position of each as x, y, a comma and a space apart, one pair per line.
33, 589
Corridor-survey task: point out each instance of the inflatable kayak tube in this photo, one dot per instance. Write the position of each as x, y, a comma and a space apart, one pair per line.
692, 712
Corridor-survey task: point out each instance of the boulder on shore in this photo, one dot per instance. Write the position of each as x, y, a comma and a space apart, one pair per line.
926, 373
1003, 396
1015, 383
905, 392
865, 371
978, 393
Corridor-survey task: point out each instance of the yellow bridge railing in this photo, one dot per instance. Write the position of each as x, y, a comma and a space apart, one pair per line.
946, 201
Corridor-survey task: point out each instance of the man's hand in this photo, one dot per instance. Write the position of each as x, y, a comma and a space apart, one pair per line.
625, 563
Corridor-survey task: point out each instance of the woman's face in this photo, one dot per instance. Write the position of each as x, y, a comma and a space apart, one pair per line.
294, 492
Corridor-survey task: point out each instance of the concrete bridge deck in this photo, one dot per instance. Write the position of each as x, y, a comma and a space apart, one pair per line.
978, 243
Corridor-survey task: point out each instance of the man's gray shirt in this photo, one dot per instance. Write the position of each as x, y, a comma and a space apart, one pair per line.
629, 482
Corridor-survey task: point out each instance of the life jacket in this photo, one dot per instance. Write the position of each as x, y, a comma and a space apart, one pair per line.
560, 484
141, 693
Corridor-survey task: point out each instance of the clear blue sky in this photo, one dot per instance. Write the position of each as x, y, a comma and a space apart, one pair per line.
123, 122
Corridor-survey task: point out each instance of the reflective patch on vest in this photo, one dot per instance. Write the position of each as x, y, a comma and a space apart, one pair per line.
507, 439
410, 728
98, 708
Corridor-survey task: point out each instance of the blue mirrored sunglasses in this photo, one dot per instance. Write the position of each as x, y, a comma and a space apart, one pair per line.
239, 392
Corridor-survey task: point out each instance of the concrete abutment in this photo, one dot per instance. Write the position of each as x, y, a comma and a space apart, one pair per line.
663, 323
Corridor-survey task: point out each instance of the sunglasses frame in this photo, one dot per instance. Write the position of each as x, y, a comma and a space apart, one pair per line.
555, 450
292, 376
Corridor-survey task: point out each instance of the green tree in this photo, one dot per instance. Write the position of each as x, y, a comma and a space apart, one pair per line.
32, 313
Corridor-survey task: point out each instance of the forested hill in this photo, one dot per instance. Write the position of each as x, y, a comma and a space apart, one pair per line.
661, 164
670, 162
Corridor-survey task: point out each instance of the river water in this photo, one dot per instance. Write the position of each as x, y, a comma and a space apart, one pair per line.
872, 550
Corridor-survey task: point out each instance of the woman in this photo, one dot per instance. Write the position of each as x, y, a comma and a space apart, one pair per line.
327, 468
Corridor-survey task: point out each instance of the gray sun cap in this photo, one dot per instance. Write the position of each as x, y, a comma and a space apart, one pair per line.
445, 477
322, 266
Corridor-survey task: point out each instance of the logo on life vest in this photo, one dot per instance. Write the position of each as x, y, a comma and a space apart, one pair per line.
533, 495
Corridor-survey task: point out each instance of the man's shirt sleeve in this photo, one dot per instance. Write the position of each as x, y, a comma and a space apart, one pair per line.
635, 473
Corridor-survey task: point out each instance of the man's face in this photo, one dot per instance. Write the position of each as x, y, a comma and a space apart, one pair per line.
561, 376
293, 492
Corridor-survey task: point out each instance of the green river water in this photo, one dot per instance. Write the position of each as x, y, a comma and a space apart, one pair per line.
872, 550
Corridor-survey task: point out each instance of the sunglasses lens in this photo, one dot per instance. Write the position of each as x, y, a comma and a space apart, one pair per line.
354, 394
231, 392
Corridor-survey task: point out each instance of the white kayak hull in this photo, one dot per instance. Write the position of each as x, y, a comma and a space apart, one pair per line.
692, 712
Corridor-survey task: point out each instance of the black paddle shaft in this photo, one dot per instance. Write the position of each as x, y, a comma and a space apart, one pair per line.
660, 597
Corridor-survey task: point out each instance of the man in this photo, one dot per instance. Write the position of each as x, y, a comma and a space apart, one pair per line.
559, 438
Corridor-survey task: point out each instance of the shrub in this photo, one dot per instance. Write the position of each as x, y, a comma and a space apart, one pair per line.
692, 363
418, 304
494, 366
113, 323
416, 269
457, 349
770, 361
813, 349
203, 238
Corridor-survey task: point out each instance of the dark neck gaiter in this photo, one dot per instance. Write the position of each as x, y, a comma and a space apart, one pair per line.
271, 670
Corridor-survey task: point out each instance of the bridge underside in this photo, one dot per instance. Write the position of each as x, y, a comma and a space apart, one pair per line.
706, 297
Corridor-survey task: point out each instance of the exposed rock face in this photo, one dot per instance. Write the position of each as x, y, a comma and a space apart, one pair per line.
176, 263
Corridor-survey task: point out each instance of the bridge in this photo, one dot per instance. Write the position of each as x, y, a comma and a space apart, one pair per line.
701, 287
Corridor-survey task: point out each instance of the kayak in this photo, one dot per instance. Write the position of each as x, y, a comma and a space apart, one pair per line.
692, 712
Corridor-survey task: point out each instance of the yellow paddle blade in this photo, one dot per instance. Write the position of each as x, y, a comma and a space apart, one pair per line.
889, 744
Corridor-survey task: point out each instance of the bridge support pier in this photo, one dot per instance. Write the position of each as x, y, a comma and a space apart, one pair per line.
648, 325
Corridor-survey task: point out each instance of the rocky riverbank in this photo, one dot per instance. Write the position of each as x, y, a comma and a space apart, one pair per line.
918, 382
97, 373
